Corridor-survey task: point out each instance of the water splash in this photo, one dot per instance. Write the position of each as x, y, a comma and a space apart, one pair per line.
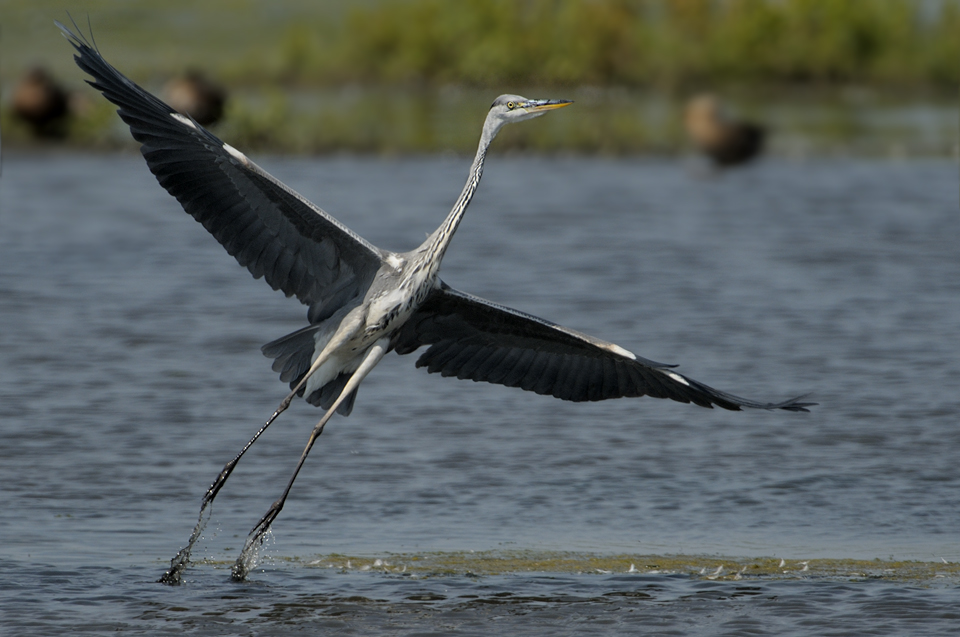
174, 575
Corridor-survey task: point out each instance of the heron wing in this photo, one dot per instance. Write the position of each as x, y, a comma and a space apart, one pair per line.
270, 229
472, 338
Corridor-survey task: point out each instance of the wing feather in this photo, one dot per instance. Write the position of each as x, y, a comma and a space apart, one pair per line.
270, 229
472, 338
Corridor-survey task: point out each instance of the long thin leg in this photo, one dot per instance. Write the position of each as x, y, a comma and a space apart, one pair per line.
174, 575
284, 404
248, 556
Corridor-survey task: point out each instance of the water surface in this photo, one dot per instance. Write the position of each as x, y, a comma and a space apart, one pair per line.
130, 372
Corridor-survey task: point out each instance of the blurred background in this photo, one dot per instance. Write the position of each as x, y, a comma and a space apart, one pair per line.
867, 77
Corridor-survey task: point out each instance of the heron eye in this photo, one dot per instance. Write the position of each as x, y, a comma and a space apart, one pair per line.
511, 105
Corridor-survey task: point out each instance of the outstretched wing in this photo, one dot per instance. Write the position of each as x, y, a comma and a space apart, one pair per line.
270, 229
476, 339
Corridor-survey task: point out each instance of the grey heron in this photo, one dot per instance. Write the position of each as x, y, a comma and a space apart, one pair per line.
363, 301
726, 141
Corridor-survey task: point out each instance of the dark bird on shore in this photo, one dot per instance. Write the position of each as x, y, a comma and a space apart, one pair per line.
364, 301
196, 95
726, 141
41, 103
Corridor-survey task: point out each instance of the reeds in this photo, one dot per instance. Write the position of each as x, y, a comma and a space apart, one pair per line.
650, 42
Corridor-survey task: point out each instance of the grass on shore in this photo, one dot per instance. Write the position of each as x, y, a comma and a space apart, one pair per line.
492, 43
643, 42
391, 76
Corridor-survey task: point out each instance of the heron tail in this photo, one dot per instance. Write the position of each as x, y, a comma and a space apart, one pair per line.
292, 356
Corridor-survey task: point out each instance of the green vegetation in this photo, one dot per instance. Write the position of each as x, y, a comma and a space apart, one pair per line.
649, 42
491, 43
417, 75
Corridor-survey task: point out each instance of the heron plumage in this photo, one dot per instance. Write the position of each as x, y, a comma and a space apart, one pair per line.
271, 230
364, 301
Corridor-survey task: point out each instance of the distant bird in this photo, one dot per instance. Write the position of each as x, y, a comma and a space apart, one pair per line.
725, 141
364, 301
196, 95
40, 102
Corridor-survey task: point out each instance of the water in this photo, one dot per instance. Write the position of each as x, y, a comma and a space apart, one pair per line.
130, 372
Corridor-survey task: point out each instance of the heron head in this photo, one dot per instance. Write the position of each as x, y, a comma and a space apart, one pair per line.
514, 108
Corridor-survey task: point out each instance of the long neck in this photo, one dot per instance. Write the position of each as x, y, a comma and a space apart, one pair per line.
436, 244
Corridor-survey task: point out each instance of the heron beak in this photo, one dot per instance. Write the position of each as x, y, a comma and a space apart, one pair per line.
541, 106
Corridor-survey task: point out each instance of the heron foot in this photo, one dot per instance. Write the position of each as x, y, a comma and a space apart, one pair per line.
174, 575
250, 554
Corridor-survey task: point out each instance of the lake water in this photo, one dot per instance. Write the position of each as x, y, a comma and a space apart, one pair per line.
130, 372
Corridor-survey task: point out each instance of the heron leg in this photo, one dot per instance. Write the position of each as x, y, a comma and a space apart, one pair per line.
248, 556
284, 404
174, 575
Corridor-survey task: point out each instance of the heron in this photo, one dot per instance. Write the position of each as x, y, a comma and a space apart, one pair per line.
364, 302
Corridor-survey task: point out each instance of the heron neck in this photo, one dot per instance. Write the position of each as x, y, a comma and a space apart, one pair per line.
436, 244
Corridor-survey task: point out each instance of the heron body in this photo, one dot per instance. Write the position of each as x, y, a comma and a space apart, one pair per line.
402, 282
363, 301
